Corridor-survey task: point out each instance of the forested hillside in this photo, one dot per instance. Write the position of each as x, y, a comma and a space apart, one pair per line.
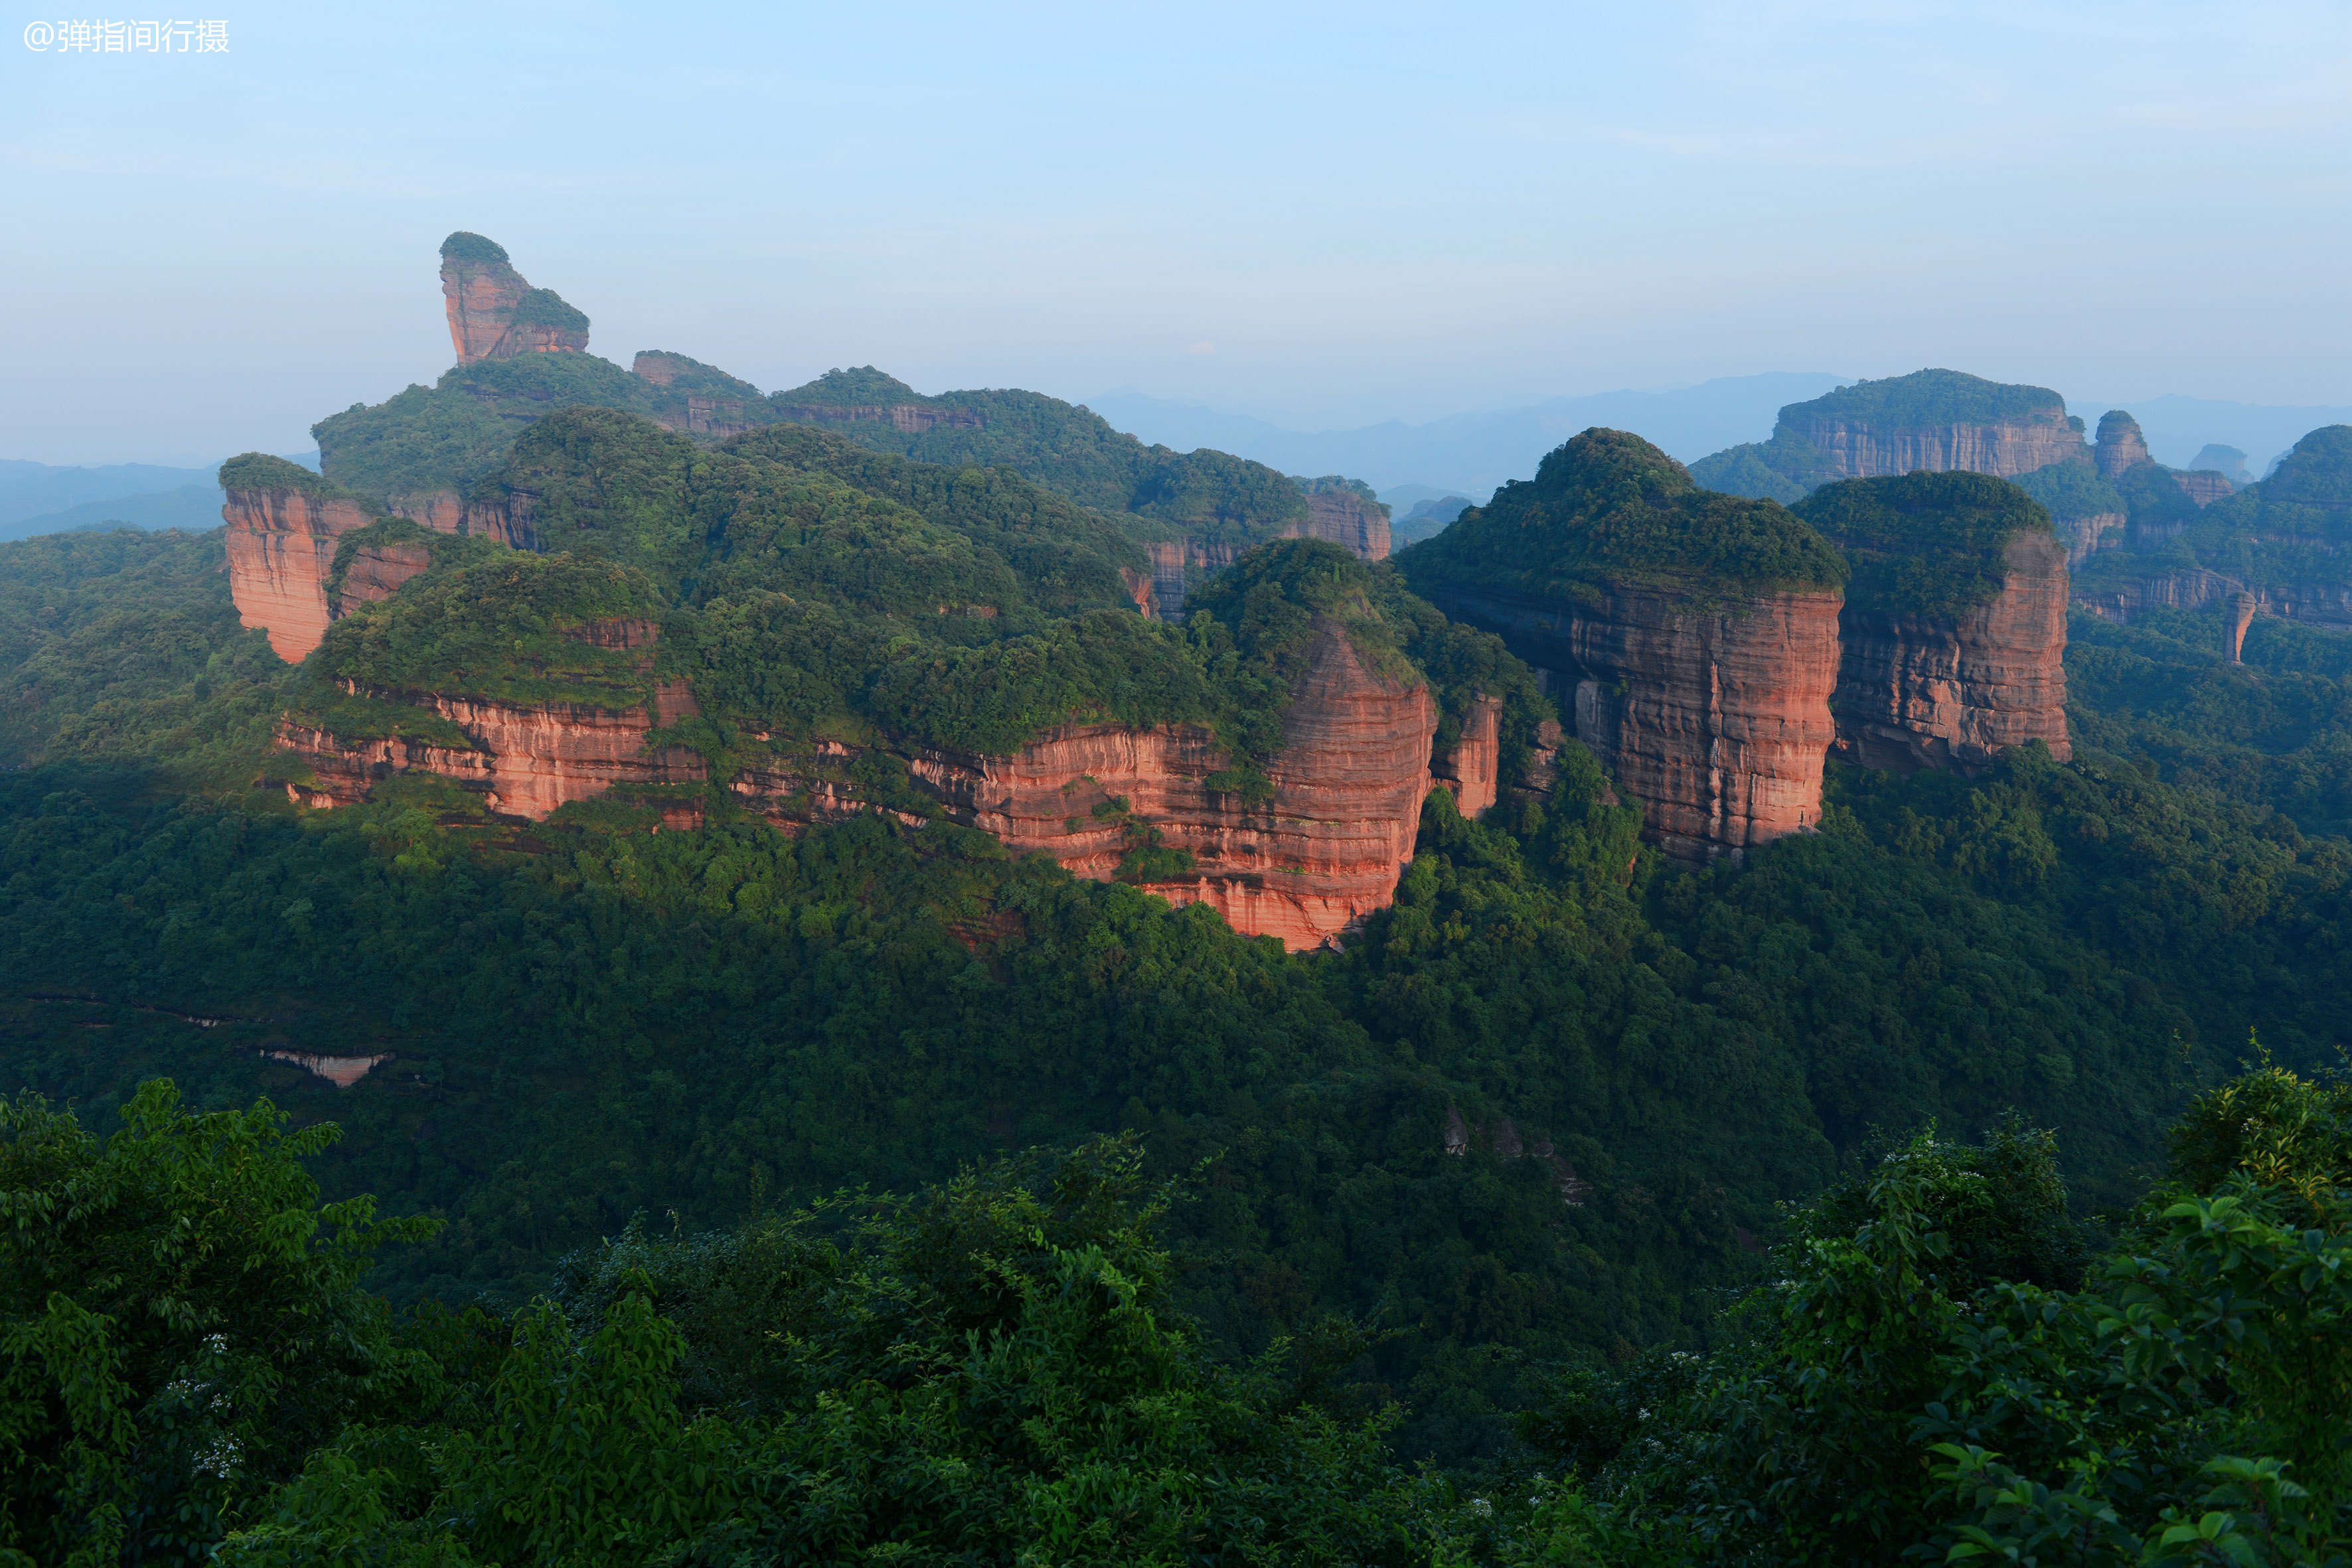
1477, 1179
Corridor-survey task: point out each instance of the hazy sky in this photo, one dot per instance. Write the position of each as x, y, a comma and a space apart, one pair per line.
1320, 215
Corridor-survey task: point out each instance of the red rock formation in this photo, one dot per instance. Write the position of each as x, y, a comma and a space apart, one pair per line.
1715, 717
281, 544
2120, 445
2085, 535
2241, 616
377, 571
1916, 691
1473, 767
2204, 486
1858, 450
483, 292
1355, 524
525, 760
1305, 865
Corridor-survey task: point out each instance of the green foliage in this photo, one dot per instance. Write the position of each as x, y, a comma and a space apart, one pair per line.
507, 627
1609, 508
448, 436
546, 308
1751, 470
467, 247
2073, 489
1926, 397
862, 387
2308, 495
992, 1370
124, 648
179, 1323
260, 471
1925, 544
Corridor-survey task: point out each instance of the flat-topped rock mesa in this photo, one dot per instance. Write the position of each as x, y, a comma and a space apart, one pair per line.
284, 523
1936, 420
1953, 634
1697, 632
495, 314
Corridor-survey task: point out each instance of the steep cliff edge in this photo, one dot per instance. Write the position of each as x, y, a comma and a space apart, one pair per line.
284, 522
1953, 633
1936, 420
495, 314
1697, 631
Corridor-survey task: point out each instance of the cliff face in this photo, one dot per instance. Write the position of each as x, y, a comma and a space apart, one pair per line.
281, 544
1918, 691
1348, 521
1305, 865
525, 760
2085, 535
2120, 447
2204, 486
1335, 516
1472, 768
908, 419
1715, 719
1863, 449
494, 313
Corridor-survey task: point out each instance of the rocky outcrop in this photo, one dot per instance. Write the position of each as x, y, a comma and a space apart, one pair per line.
2241, 616
376, 571
2120, 446
281, 545
1858, 450
1472, 768
1305, 862
1339, 517
2326, 603
1916, 692
2085, 535
523, 760
2204, 486
494, 313
1715, 715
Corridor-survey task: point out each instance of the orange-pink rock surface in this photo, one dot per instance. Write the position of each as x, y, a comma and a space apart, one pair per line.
1472, 769
376, 571
1938, 692
1716, 717
2120, 446
281, 546
480, 298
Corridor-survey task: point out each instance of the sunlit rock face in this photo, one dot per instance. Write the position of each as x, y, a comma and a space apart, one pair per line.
281, 546
1715, 716
1304, 856
1916, 692
495, 314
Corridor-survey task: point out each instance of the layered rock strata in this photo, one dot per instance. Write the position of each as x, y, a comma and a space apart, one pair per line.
1306, 864
523, 760
1715, 716
376, 571
1472, 769
2120, 446
1861, 449
1355, 525
1338, 518
2204, 486
281, 546
1917, 691
494, 313
910, 418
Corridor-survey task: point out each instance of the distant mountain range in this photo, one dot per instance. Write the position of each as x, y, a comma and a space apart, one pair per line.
1470, 454
36, 498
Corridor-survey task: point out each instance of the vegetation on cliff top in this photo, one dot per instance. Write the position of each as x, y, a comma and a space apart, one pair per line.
1925, 544
546, 308
2073, 489
1926, 398
1609, 509
260, 471
465, 245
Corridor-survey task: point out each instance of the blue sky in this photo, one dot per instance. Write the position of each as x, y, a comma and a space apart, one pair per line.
1322, 215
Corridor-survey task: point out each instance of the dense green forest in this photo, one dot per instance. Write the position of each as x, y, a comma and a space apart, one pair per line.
643, 1096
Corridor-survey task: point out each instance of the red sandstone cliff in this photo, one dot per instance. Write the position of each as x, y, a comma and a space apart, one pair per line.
1915, 692
1472, 769
1859, 449
483, 292
1336, 517
1717, 718
377, 571
2120, 445
2204, 486
1305, 865
281, 544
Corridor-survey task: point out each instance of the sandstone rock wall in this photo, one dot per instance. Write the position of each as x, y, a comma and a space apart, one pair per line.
1305, 865
281, 545
1717, 718
480, 297
2120, 445
911, 418
1473, 767
377, 571
2085, 535
525, 760
2319, 604
1858, 450
1915, 692
2204, 486
1348, 521
1336, 518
